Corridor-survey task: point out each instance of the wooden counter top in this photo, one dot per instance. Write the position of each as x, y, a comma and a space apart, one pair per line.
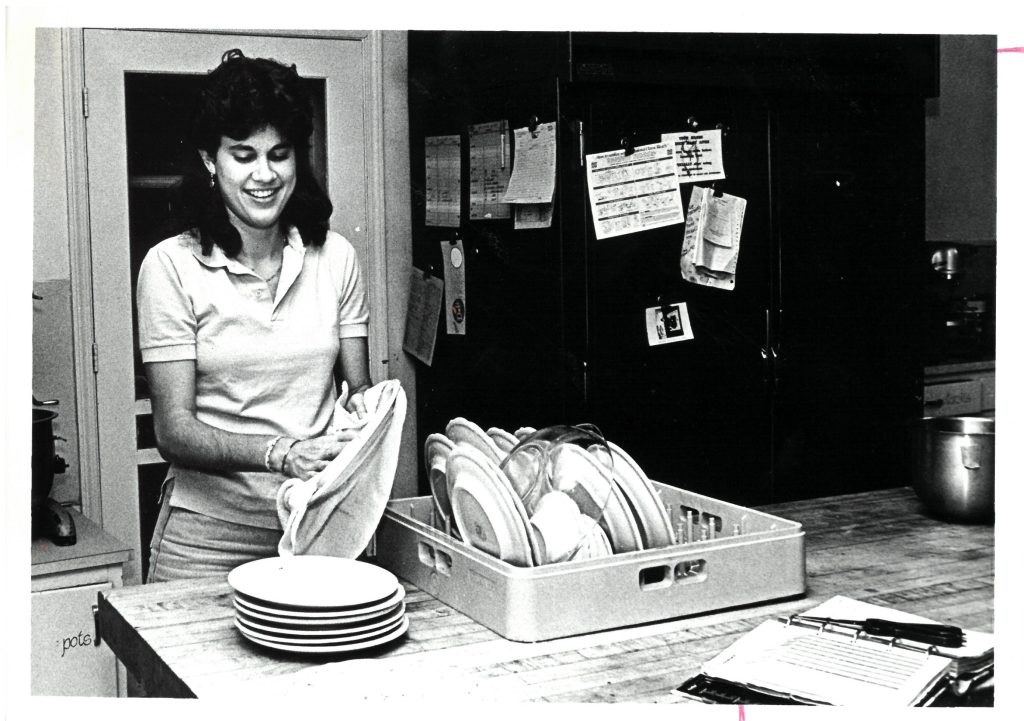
179, 640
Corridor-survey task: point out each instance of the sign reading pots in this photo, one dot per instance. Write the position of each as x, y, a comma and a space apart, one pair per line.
954, 468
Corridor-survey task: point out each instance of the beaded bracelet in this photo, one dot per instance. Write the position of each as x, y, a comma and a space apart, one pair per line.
270, 449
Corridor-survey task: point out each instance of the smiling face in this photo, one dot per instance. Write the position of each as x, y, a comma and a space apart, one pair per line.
256, 177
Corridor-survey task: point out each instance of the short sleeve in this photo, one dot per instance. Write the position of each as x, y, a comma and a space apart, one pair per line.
167, 322
353, 313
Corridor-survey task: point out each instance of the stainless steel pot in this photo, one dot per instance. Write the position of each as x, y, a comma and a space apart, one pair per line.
954, 467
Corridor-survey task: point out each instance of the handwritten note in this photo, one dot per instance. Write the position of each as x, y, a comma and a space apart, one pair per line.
533, 172
443, 180
633, 192
421, 318
711, 241
698, 155
490, 166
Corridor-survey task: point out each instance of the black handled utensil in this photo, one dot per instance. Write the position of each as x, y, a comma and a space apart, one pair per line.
934, 634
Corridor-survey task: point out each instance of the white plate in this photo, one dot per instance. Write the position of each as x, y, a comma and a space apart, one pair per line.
504, 440
300, 616
462, 431
652, 518
484, 509
311, 637
318, 627
334, 648
435, 457
313, 583
601, 494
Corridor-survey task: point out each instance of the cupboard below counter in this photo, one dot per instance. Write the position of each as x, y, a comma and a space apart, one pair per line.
179, 640
66, 658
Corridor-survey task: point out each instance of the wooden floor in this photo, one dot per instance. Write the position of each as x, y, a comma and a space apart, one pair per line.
179, 640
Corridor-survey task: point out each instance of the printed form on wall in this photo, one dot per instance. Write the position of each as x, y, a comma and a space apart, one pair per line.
425, 294
490, 166
533, 173
698, 155
711, 241
633, 192
443, 157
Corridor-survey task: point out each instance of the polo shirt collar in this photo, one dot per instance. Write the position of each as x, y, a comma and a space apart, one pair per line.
217, 258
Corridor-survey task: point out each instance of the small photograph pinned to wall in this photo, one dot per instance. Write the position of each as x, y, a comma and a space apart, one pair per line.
668, 324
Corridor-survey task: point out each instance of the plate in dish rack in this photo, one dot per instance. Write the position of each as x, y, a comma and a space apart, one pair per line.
435, 457
504, 440
651, 516
484, 509
462, 431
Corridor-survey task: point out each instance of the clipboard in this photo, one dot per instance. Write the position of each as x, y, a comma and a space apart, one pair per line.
814, 664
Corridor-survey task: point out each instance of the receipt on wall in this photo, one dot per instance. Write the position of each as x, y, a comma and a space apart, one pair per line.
634, 192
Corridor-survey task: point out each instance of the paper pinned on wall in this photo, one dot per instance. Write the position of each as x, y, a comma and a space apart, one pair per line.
633, 192
490, 167
529, 216
421, 318
454, 286
698, 155
443, 158
668, 324
711, 241
533, 172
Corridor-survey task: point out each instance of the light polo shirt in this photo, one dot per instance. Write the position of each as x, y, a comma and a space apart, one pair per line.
264, 364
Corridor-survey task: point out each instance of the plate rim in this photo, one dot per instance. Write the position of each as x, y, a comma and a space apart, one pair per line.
292, 648
647, 504
314, 636
314, 623
475, 431
241, 581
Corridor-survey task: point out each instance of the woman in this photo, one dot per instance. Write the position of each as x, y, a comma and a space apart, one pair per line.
243, 320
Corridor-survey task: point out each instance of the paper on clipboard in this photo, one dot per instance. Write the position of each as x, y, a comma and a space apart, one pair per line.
838, 668
634, 192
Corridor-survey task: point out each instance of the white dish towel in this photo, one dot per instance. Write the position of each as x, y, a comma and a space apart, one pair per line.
336, 512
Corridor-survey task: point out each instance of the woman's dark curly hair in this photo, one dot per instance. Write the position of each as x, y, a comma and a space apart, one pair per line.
240, 97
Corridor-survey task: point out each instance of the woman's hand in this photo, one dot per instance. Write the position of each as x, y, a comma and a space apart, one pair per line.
356, 404
306, 458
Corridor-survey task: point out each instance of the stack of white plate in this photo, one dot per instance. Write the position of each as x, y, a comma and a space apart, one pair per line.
317, 604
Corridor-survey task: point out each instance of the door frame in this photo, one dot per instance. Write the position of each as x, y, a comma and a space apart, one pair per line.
109, 483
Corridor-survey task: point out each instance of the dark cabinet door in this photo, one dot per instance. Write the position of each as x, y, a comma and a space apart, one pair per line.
849, 212
696, 413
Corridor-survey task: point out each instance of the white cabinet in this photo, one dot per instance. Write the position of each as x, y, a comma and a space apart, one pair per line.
67, 658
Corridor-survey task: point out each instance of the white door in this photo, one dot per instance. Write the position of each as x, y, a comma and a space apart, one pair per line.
135, 83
